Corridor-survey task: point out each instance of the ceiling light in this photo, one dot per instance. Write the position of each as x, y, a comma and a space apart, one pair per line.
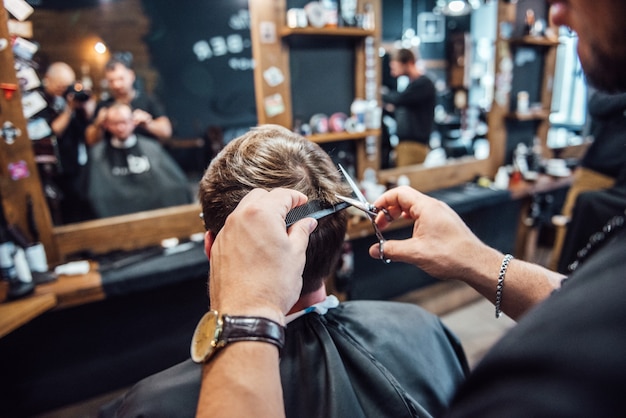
457, 8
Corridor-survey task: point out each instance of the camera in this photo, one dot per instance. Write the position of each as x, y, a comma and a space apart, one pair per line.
78, 91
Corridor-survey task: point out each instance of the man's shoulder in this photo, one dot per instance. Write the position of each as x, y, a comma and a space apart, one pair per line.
392, 315
368, 305
423, 81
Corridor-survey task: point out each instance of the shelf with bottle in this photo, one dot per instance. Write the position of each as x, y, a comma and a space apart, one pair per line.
342, 136
538, 114
529, 40
351, 32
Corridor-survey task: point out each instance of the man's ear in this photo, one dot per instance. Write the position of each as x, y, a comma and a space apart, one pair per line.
209, 239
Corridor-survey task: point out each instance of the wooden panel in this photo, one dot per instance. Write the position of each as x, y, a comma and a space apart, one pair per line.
426, 179
130, 231
15, 192
268, 50
342, 136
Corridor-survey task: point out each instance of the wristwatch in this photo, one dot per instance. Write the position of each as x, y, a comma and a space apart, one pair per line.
215, 330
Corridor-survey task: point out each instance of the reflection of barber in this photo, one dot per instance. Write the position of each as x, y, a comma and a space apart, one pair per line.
59, 148
130, 173
413, 109
148, 113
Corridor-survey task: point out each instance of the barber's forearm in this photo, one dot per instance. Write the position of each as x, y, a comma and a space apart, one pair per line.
525, 284
160, 127
243, 380
93, 134
60, 124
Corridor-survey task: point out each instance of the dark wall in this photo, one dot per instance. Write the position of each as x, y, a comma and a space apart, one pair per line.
203, 53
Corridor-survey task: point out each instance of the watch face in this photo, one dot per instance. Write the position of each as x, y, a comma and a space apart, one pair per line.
205, 337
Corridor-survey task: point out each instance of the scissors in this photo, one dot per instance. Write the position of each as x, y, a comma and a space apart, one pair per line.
371, 211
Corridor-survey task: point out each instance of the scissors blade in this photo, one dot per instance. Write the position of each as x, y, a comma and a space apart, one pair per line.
365, 207
355, 188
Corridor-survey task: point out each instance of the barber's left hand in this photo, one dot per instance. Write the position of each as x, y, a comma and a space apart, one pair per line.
256, 263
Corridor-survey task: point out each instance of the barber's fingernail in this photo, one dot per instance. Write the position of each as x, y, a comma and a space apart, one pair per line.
312, 225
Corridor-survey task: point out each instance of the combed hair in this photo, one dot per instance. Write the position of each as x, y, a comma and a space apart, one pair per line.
270, 156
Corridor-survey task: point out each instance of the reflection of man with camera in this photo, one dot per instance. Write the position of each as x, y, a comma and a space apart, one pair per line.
61, 153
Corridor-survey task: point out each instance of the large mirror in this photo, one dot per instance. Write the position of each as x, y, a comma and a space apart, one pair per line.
456, 50
197, 59
194, 58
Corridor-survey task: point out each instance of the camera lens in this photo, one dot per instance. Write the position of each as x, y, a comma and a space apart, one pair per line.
78, 91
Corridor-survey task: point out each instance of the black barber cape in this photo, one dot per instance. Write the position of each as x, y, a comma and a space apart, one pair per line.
128, 180
361, 359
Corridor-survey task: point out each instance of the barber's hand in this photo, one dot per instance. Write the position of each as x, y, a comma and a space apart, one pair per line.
101, 117
441, 244
141, 117
256, 263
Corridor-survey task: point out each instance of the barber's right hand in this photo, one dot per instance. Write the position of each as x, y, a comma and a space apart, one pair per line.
256, 263
441, 244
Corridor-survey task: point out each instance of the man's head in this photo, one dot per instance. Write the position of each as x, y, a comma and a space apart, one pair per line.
120, 76
402, 62
58, 78
601, 38
119, 121
271, 156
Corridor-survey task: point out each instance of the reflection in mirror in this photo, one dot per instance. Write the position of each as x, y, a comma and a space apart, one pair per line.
195, 58
568, 114
457, 53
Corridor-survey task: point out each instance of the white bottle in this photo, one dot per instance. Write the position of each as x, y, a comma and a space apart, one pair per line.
502, 179
331, 13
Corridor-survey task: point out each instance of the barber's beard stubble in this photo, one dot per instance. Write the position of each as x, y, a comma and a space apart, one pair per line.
607, 68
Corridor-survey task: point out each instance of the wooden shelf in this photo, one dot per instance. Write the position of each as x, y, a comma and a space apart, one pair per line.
342, 136
541, 114
19, 312
534, 41
310, 31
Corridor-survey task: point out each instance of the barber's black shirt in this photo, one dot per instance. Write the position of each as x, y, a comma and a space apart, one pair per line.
566, 357
414, 110
141, 101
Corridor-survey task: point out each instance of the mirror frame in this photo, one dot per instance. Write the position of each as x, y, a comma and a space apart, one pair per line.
127, 232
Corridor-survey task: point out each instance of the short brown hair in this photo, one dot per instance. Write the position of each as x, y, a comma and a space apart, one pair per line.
404, 56
270, 156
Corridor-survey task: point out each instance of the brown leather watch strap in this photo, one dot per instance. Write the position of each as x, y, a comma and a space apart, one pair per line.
251, 328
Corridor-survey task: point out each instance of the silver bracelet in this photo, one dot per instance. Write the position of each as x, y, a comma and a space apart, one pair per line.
505, 264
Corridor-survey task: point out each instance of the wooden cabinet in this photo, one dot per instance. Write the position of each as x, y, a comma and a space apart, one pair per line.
334, 66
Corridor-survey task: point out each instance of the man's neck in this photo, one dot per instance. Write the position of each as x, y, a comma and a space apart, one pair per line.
124, 143
414, 73
309, 299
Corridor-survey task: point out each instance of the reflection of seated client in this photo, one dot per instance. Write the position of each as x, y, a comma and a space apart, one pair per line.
129, 173
350, 359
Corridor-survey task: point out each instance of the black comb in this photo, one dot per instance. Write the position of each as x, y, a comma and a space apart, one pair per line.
313, 209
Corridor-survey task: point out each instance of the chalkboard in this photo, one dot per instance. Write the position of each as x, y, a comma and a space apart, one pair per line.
203, 54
